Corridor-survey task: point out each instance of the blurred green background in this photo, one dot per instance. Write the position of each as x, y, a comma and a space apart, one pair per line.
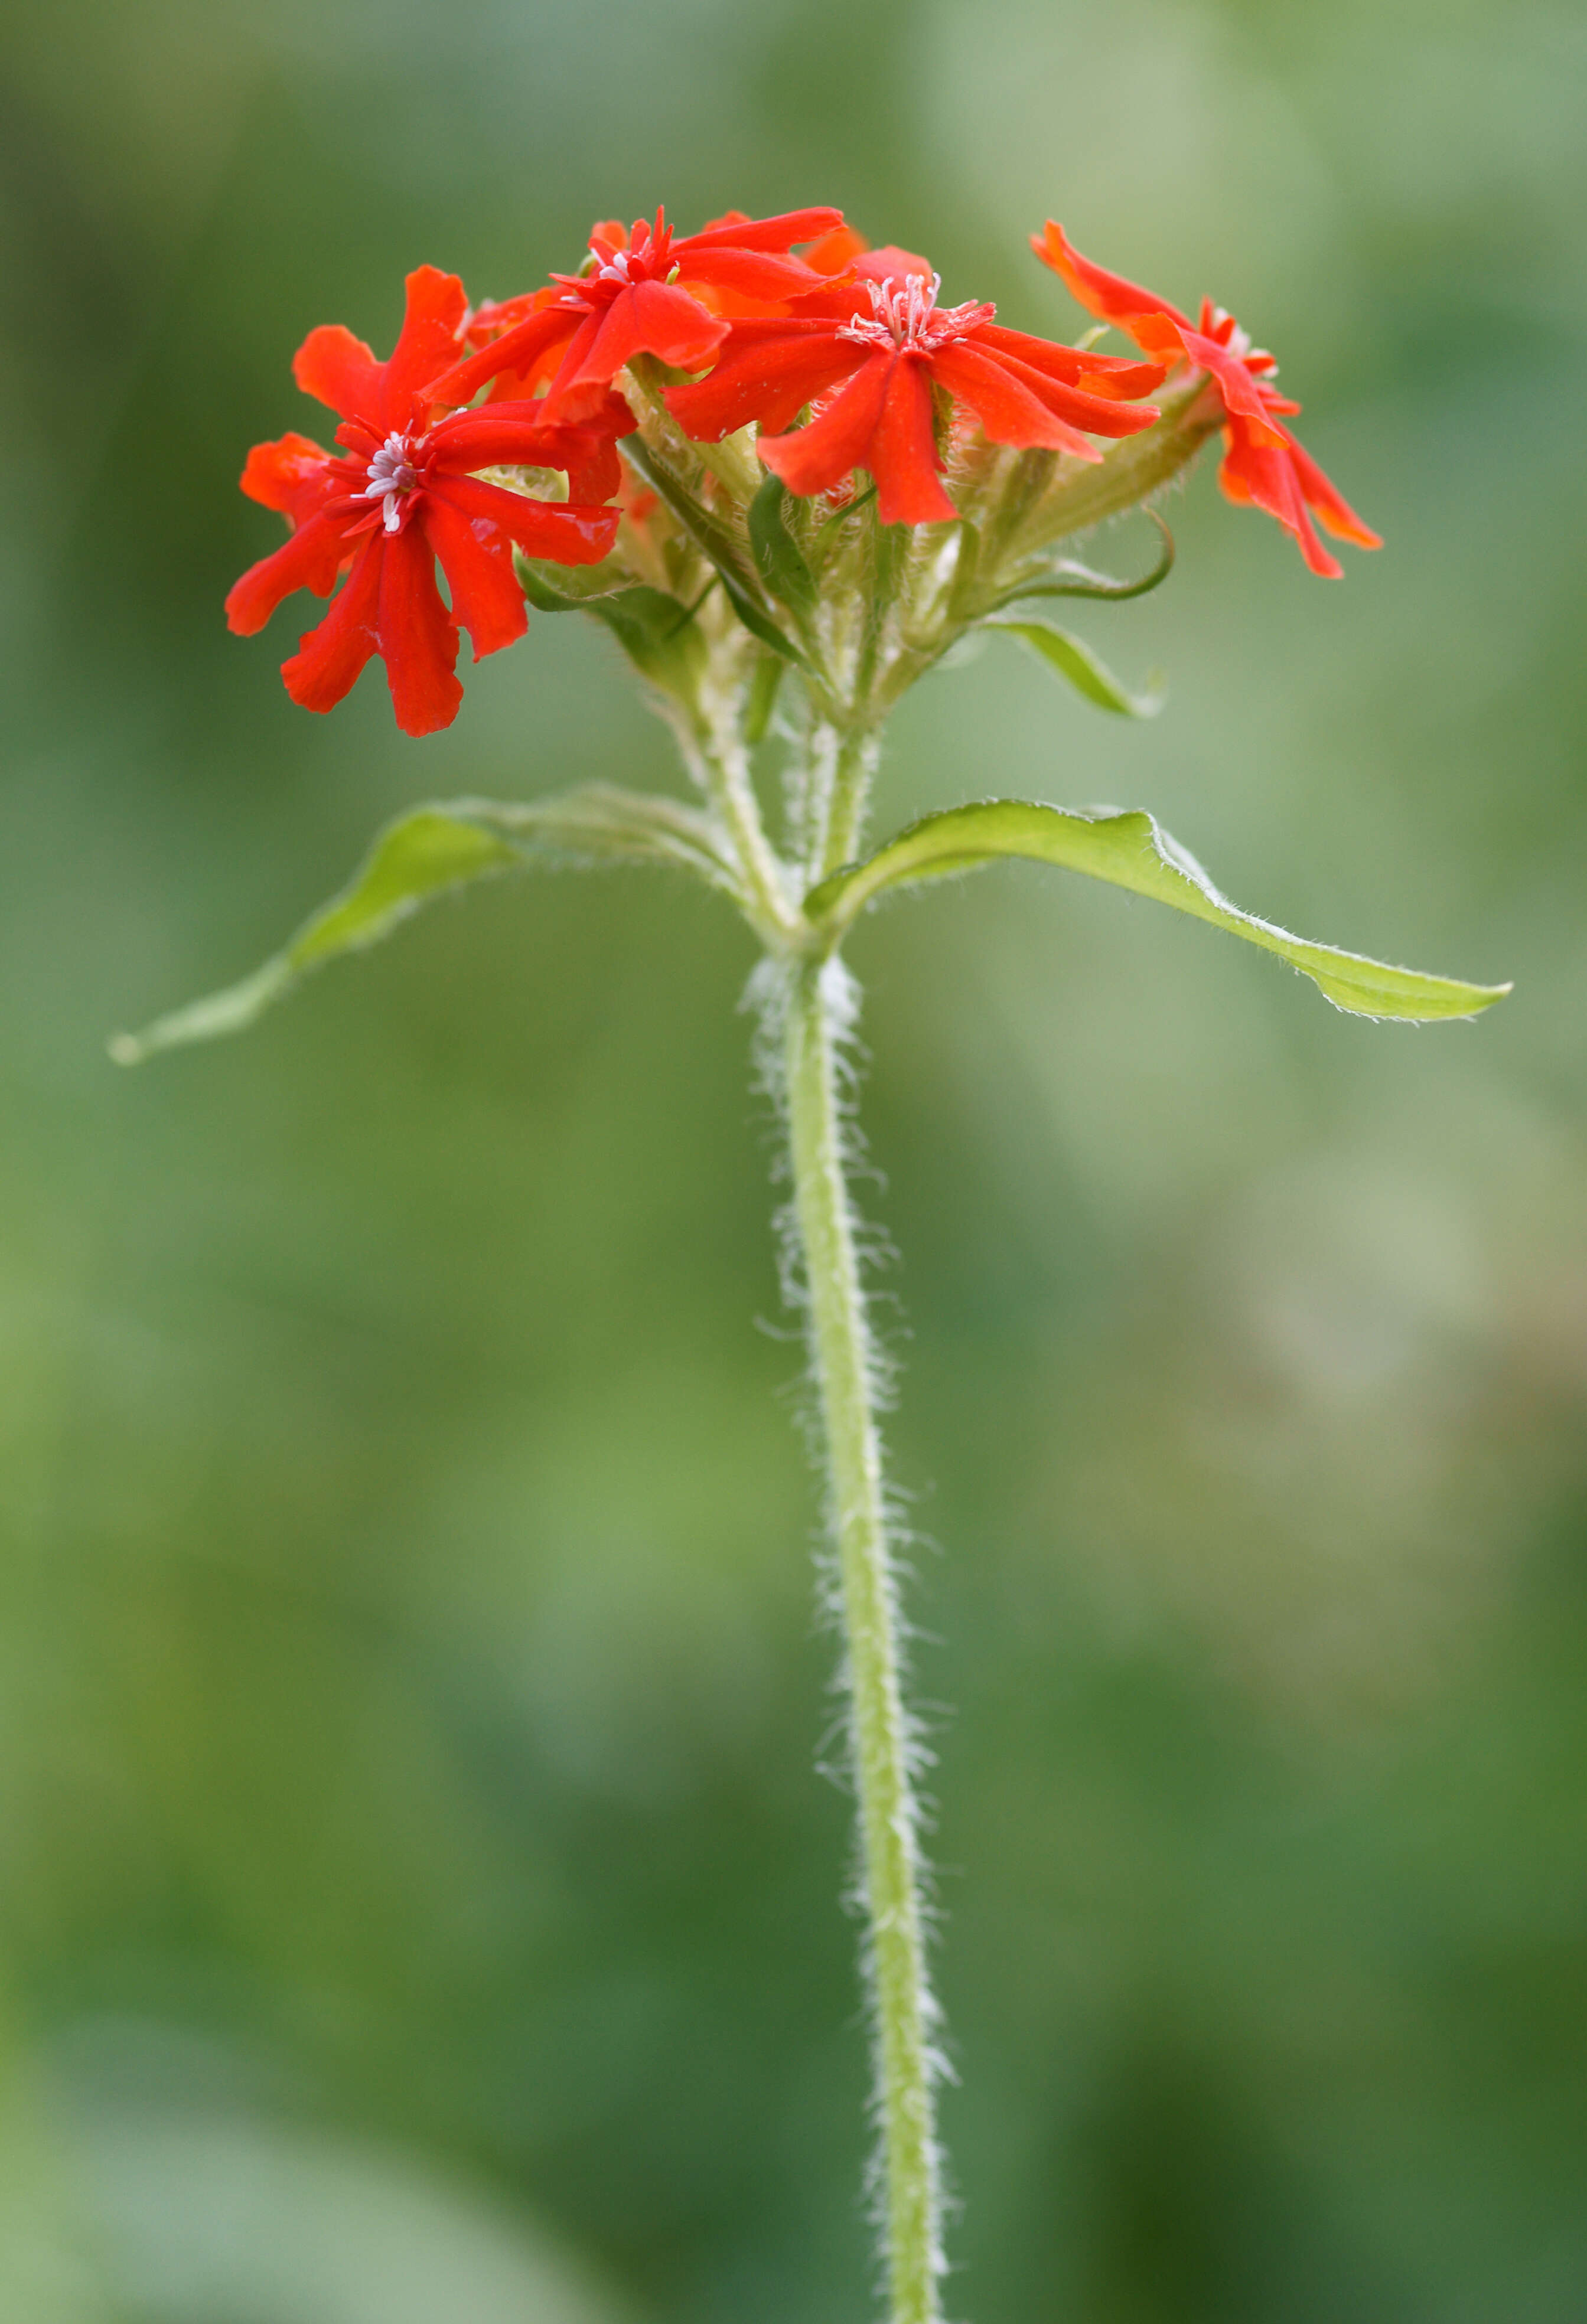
419, 1899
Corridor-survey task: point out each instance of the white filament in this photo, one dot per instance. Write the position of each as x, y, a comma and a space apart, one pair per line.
391, 474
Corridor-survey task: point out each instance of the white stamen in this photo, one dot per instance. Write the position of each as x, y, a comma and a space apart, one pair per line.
1238, 341
391, 474
906, 314
615, 268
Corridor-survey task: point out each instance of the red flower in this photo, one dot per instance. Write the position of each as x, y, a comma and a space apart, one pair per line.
637, 296
404, 497
882, 333
1262, 463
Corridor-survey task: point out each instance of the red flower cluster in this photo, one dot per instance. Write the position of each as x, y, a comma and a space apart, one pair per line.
1263, 466
880, 337
854, 335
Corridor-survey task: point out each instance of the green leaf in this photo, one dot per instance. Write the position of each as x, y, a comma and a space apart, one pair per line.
437, 848
1132, 851
1075, 661
777, 556
717, 543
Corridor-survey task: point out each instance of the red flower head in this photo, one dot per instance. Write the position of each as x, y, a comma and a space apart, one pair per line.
1262, 463
638, 296
881, 334
405, 495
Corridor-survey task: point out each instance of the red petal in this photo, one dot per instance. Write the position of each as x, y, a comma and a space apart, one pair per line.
1101, 415
890, 264
1330, 503
1111, 296
339, 370
845, 300
361, 441
515, 350
653, 318
903, 457
499, 315
752, 273
1002, 402
770, 374
310, 559
476, 557
779, 233
277, 473
1255, 475
560, 530
588, 457
328, 659
418, 636
432, 329
1114, 375
1240, 390
821, 455
515, 435
836, 251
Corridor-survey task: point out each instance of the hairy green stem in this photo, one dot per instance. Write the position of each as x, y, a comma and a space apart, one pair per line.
851, 795
714, 753
835, 790
815, 1000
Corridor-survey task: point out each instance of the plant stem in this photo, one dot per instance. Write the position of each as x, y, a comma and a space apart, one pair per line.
858, 755
817, 999
714, 755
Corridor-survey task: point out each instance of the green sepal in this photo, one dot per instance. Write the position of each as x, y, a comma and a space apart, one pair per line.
716, 542
434, 849
1130, 850
660, 635
966, 567
657, 632
762, 698
1068, 578
1074, 662
589, 582
777, 557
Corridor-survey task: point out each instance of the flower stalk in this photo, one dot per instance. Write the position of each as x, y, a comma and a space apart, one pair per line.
816, 999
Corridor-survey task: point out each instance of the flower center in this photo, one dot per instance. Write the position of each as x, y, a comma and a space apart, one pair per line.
905, 314
1218, 323
392, 475
646, 257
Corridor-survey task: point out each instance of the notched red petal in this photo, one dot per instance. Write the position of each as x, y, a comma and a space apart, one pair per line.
339, 370
418, 636
328, 659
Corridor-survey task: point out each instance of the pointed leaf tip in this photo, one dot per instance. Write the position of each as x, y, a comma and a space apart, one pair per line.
1084, 671
1131, 851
